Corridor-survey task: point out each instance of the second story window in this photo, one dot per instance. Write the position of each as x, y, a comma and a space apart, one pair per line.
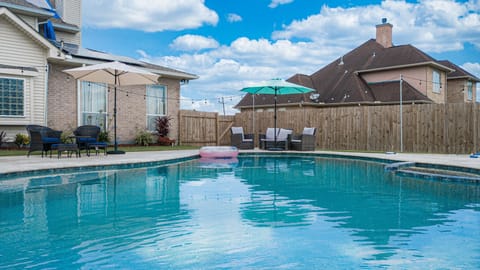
436, 82
469, 90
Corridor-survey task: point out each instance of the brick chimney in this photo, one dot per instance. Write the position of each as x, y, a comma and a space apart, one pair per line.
384, 34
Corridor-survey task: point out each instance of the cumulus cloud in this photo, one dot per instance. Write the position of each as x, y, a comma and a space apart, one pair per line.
193, 43
276, 3
433, 26
306, 45
473, 68
148, 16
232, 17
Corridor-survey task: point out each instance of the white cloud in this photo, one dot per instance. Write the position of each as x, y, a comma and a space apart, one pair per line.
473, 68
306, 45
232, 17
276, 3
148, 16
433, 26
193, 43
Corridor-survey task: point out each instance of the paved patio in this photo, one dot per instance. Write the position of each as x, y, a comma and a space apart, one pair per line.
36, 162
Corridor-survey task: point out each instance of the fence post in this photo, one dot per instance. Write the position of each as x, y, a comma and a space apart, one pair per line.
179, 127
217, 127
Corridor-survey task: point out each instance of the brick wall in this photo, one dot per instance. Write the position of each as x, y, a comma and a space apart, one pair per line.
131, 109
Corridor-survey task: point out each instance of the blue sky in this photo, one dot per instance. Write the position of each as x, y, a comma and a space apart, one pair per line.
231, 43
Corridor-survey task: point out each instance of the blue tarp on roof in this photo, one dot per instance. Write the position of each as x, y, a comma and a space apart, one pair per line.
48, 31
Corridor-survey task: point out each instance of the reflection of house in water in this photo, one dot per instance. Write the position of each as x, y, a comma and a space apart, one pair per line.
360, 196
87, 206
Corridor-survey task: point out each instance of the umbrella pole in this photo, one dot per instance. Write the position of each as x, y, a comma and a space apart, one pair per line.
115, 151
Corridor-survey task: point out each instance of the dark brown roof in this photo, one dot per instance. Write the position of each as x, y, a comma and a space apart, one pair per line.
390, 92
458, 72
340, 82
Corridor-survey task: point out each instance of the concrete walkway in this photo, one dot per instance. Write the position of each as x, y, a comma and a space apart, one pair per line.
23, 163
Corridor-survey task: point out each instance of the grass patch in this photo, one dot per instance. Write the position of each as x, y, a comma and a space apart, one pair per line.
129, 148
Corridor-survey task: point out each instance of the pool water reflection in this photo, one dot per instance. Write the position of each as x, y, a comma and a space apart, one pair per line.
259, 212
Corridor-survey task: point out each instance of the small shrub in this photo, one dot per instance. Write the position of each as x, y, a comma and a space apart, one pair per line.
21, 140
66, 137
162, 125
104, 137
144, 138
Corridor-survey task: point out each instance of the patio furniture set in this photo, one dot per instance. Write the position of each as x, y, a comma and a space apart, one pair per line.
47, 140
275, 139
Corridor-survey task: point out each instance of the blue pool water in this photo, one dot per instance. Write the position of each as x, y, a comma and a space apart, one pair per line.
261, 212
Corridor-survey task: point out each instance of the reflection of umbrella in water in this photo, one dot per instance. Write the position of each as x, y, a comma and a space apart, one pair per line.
276, 87
117, 74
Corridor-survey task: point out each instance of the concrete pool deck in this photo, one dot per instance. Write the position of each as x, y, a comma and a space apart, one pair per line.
36, 162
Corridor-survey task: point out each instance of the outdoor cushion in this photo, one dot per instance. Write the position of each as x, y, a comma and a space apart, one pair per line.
283, 134
50, 140
270, 135
238, 130
309, 131
87, 140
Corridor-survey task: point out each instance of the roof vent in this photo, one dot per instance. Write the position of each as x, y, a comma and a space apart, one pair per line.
384, 20
341, 61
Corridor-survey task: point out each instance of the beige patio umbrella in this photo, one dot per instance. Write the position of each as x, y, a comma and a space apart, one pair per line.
117, 74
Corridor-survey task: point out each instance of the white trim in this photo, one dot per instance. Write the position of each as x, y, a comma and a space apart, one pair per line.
18, 72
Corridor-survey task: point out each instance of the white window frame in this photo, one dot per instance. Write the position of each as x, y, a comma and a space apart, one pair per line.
150, 100
436, 81
81, 120
24, 97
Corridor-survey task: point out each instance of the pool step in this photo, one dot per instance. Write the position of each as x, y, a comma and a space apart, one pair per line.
397, 165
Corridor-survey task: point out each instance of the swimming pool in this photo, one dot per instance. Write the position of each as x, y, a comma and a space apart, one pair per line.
257, 212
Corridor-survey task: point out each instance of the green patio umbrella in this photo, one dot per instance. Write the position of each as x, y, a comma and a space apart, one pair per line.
276, 87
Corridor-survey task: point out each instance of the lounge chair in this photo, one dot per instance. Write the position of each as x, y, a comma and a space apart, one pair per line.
240, 139
87, 138
42, 138
304, 141
267, 140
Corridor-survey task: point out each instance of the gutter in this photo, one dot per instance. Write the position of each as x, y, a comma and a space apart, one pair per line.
430, 63
27, 10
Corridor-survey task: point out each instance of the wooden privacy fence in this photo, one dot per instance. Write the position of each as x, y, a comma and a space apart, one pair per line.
427, 128
204, 128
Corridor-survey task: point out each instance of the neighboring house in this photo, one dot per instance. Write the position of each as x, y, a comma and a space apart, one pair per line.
38, 42
370, 75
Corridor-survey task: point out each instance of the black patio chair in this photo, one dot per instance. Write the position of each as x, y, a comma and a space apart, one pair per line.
87, 137
42, 138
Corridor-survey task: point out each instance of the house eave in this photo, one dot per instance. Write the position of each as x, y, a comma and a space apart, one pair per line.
429, 63
464, 78
37, 12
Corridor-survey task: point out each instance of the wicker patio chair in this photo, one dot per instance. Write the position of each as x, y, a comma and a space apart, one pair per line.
87, 137
240, 139
42, 138
304, 141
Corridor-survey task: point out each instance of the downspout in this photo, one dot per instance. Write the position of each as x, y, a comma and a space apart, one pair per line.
45, 115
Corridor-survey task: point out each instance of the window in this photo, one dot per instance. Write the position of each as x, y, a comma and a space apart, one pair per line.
11, 97
469, 90
93, 104
437, 85
156, 104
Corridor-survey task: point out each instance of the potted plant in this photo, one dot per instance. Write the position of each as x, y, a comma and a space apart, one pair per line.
162, 128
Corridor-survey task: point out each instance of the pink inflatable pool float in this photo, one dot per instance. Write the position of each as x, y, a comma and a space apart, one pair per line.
219, 152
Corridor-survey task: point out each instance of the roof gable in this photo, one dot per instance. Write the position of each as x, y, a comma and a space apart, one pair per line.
53, 52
